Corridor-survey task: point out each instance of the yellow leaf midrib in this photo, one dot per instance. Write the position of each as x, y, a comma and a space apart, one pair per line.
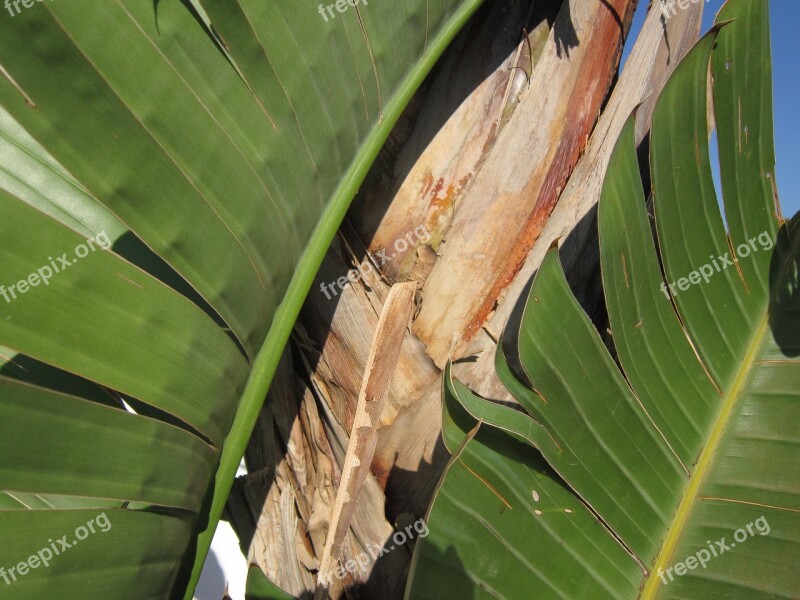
703, 466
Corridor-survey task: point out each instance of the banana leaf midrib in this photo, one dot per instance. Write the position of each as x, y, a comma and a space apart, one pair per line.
705, 461
726, 415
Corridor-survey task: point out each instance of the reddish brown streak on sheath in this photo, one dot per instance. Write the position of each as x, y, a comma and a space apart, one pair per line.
582, 110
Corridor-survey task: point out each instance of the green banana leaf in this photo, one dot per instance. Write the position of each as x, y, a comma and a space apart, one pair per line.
261, 588
171, 175
669, 469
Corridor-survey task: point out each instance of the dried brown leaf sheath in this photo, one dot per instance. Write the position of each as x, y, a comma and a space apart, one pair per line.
381, 363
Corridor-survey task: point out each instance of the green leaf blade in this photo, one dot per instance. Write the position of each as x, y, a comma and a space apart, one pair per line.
93, 450
102, 562
156, 331
632, 501
743, 60
656, 356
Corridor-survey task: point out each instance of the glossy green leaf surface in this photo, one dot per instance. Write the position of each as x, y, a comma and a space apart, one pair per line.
683, 450
214, 147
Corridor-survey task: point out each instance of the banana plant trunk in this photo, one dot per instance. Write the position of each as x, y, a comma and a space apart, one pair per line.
500, 154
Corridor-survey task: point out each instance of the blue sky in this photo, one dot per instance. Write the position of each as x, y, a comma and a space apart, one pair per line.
784, 17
